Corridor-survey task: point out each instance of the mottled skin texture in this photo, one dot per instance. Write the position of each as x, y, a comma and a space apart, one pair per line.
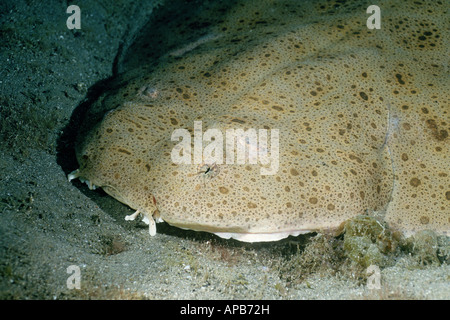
363, 118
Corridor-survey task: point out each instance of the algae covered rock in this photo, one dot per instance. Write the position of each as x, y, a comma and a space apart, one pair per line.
427, 248
368, 241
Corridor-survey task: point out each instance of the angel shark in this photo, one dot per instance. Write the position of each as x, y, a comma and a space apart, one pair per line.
357, 116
